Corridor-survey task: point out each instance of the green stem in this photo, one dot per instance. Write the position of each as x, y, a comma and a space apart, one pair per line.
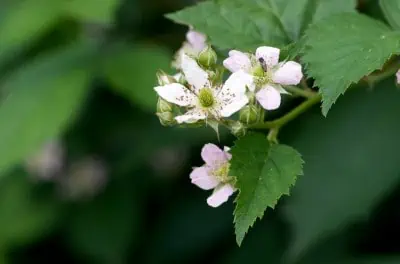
300, 92
278, 123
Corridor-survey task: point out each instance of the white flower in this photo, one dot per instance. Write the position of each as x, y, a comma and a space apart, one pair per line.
196, 40
398, 76
267, 73
214, 174
202, 98
194, 44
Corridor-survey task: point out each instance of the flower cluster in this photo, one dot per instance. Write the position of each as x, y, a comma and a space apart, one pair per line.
197, 94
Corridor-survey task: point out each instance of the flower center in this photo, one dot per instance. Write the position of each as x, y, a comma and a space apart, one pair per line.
206, 97
222, 173
261, 75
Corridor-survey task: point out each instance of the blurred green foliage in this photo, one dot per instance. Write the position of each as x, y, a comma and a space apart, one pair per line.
83, 72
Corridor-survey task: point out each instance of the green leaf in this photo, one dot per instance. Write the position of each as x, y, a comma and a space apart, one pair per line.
92, 10
131, 72
264, 173
391, 9
24, 22
344, 48
351, 163
253, 23
25, 216
40, 99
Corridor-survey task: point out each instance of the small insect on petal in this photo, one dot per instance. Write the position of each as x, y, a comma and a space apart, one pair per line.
268, 56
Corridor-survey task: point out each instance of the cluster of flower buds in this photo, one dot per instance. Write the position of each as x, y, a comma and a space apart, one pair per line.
198, 95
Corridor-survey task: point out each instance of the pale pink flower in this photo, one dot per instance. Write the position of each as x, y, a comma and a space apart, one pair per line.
197, 40
195, 43
398, 76
267, 73
214, 174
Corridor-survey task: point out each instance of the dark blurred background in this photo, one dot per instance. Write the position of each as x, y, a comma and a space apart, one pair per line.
88, 174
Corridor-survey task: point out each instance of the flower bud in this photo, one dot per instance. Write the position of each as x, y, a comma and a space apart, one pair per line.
166, 118
164, 79
248, 114
238, 129
163, 106
207, 57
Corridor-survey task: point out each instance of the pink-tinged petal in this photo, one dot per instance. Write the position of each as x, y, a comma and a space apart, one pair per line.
237, 61
398, 76
269, 98
191, 116
269, 55
194, 74
197, 40
177, 94
213, 156
203, 179
289, 73
220, 195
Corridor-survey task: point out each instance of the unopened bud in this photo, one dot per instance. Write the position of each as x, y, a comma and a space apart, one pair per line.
166, 118
248, 114
238, 129
164, 79
163, 106
208, 57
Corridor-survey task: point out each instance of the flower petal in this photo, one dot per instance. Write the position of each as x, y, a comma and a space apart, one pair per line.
237, 61
197, 40
269, 98
177, 94
194, 74
236, 85
203, 179
213, 156
288, 73
220, 195
398, 76
191, 116
269, 55
233, 106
